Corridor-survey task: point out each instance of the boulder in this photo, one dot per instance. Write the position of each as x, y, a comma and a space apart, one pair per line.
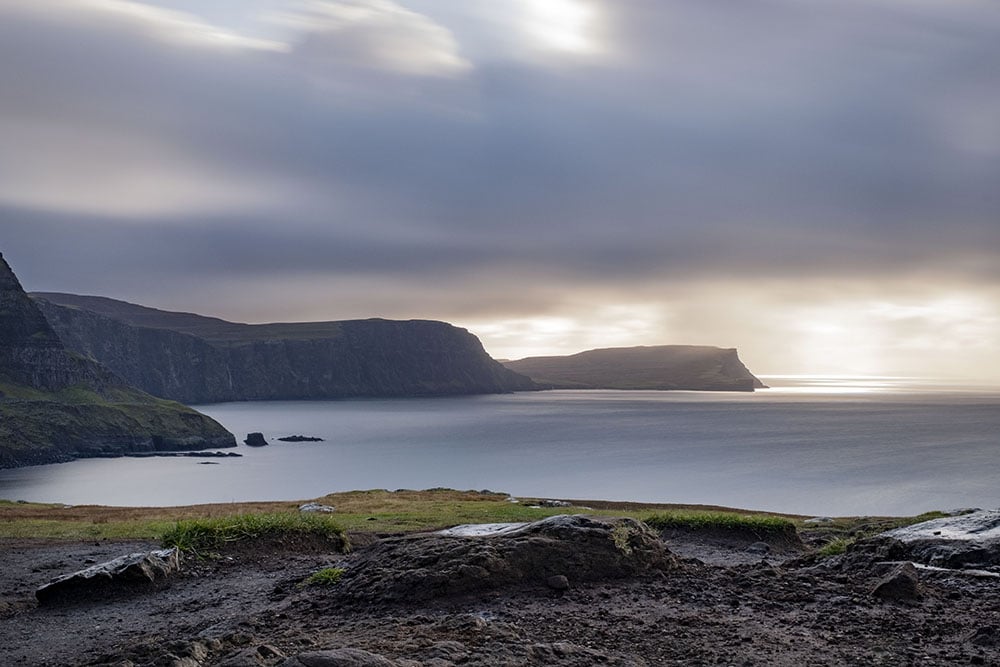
300, 438
579, 548
903, 584
317, 507
341, 657
966, 541
255, 440
134, 573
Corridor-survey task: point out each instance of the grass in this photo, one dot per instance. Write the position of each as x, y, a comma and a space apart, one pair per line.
328, 576
373, 511
759, 524
836, 546
388, 512
200, 536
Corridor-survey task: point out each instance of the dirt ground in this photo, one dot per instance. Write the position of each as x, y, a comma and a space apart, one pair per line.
728, 604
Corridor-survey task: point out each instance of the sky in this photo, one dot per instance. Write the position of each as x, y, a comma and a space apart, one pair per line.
815, 183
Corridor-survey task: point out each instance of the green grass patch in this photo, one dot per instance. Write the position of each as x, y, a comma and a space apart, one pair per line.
328, 576
61, 529
760, 524
200, 536
836, 546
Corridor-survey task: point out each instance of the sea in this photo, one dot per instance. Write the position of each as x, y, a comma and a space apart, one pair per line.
822, 446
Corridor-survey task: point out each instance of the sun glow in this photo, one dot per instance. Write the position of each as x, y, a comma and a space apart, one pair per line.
562, 25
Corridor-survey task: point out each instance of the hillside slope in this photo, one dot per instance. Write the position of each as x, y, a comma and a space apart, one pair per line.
691, 367
196, 359
56, 405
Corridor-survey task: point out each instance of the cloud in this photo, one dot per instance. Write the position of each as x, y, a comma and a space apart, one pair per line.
169, 26
378, 34
427, 159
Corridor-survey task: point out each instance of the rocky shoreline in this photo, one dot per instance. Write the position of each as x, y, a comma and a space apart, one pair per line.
567, 591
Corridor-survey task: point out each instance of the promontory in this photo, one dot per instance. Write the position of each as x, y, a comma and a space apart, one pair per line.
56, 405
691, 367
197, 359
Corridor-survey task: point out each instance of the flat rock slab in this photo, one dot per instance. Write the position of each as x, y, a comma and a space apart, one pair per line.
966, 541
954, 541
481, 529
317, 507
579, 548
133, 573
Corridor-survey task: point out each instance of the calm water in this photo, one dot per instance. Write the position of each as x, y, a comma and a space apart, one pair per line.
814, 446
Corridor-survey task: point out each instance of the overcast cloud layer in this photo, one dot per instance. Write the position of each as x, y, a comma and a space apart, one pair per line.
815, 183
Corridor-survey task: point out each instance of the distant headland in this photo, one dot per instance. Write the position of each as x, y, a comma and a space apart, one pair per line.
661, 367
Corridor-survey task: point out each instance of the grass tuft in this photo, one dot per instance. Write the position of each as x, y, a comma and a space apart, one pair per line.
759, 524
328, 576
198, 536
836, 546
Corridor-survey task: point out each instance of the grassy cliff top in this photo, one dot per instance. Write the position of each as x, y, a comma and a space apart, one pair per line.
213, 328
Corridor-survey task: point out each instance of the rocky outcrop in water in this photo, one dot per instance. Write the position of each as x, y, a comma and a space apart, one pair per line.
662, 367
197, 359
56, 405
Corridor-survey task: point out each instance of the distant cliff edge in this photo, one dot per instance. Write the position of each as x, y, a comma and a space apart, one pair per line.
691, 367
56, 405
197, 359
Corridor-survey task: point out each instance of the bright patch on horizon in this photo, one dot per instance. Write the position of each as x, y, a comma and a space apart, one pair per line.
598, 326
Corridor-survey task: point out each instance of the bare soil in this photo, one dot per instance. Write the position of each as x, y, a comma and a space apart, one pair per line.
728, 604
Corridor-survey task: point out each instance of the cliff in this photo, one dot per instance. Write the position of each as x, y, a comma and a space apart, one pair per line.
691, 367
196, 359
56, 405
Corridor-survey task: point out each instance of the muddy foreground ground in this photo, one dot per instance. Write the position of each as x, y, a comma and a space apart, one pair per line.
726, 604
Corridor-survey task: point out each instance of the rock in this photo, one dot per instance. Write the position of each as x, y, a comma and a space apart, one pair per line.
420, 567
902, 585
316, 507
987, 635
762, 548
300, 438
565, 653
451, 651
255, 440
341, 657
557, 582
554, 503
817, 520
481, 529
969, 540
257, 656
137, 572
959, 511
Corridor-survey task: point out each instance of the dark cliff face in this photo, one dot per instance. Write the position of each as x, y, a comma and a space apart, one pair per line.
664, 367
30, 351
56, 405
198, 359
